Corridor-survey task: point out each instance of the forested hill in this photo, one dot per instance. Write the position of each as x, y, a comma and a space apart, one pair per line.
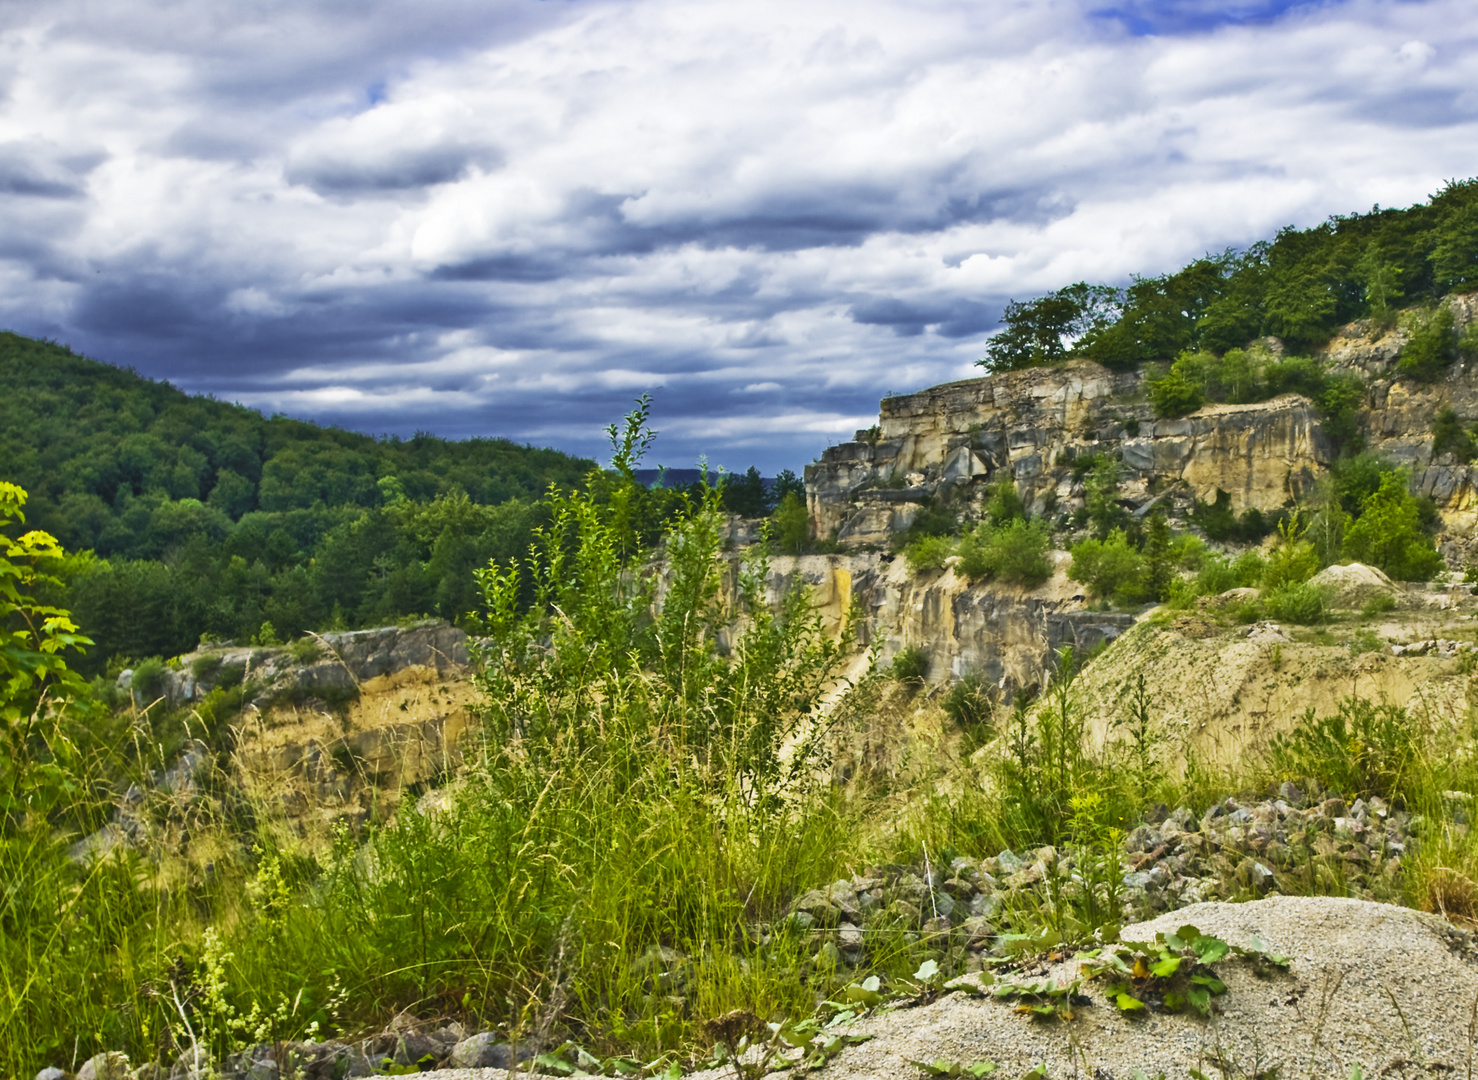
209, 518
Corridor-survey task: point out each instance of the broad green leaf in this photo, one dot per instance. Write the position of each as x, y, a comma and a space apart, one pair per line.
1166, 967
1210, 982
978, 1069
1175, 1002
1200, 999
1210, 949
1127, 1003
927, 971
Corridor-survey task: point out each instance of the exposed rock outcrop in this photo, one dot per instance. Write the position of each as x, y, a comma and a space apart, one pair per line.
952, 440
1032, 426
1004, 634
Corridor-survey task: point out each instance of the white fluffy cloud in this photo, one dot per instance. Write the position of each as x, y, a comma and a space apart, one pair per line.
511, 218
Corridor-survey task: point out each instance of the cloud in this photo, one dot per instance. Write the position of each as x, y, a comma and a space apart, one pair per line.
509, 218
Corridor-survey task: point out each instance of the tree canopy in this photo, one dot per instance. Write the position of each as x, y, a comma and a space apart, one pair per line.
1300, 286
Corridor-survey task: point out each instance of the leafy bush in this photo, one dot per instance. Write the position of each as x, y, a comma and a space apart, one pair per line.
1431, 347
1176, 393
1364, 749
1389, 533
792, 524
148, 680
305, 650
928, 553
1101, 496
1015, 553
911, 665
972, 708
1378, 604
1450, 437
1299, 603
1293, 559
1218, 521
1112, 569
1002, 503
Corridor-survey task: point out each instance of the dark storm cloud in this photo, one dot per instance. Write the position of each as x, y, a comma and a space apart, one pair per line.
511, 217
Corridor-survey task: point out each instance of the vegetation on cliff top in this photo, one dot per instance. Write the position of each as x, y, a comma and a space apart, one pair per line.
1299, 287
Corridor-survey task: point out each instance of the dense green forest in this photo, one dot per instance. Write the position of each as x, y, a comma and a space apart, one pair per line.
204, 517
196, 517
1300, 287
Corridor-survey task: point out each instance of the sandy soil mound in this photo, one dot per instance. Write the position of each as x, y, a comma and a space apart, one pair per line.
1382, 987
1353, 585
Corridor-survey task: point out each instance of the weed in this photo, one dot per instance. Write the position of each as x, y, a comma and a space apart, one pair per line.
911, 665
1363, 749
1377, 605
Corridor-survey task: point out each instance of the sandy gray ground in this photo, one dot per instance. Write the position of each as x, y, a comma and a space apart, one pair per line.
1370, 985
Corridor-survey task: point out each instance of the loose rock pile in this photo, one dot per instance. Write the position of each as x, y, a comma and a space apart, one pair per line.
1290, 844
406, 1047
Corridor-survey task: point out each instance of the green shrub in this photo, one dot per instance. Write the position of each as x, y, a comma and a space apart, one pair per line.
1450, 437
1002, 503
792, 528
1293, 559
1378, 605
148, 680
1218, 521
1015, 553
911, 665
1389, 535
1101, 497
971, 706
1299, 603
1112, 568
928, 553
305, 650
1175, 393
229, 676
1431, 347
204, 667
1364, 749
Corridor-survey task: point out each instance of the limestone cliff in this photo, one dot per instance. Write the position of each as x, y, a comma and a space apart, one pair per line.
1004, 634
953, 440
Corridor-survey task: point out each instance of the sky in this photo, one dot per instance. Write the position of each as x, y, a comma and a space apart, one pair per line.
511, 217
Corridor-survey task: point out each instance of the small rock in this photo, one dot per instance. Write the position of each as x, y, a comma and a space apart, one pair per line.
51, 1072
937, 927
1009, 862
481, 1051
106, 1066
849, 936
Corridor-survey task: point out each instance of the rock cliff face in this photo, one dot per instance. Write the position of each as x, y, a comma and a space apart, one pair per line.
953, 440
1006, 635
